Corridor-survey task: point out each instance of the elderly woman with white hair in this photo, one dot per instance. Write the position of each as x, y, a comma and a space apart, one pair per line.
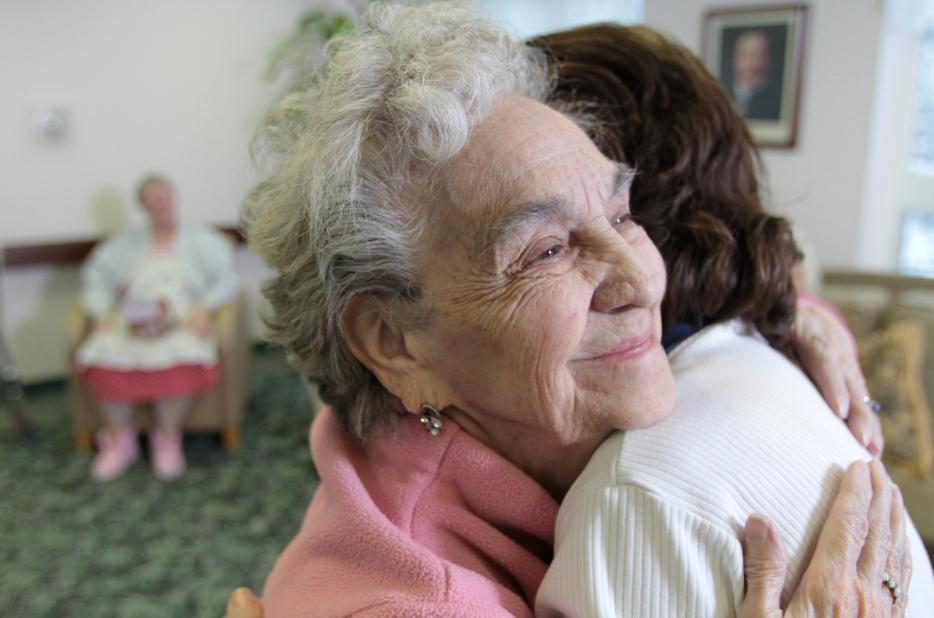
459, 273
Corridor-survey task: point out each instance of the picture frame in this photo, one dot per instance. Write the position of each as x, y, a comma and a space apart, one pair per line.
757, 54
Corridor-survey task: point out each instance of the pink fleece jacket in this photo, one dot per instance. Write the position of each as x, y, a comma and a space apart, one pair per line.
413, 525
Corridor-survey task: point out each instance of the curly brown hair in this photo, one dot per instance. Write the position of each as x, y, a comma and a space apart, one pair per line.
659, 109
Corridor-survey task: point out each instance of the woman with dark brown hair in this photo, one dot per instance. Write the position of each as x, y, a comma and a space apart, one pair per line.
651, 526
656, 107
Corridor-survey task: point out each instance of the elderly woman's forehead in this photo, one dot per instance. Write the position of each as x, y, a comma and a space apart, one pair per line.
522, 157
485, 224
509, 148
485, 193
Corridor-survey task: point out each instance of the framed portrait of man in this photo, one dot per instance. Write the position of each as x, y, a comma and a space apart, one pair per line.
757, 53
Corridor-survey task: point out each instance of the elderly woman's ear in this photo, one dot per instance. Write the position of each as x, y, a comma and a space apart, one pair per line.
380, 340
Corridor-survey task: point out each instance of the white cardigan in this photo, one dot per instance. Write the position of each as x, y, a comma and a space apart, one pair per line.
205, 254
651, 527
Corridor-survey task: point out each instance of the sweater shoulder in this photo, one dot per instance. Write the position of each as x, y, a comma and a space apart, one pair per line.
739, 404
390, 529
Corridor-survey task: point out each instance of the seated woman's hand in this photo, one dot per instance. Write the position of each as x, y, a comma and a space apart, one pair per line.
149, 318
199, 322
863, 539
243, 604
829, 357
103, 324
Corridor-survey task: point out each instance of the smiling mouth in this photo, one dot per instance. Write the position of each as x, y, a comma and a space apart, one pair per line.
627, 350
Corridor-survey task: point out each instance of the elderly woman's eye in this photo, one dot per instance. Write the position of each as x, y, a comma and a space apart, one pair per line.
624, 220
550, 253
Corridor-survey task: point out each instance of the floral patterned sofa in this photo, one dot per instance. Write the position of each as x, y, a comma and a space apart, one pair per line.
892, 317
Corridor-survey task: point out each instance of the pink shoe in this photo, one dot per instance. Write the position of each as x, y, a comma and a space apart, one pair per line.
168, 459
115, 454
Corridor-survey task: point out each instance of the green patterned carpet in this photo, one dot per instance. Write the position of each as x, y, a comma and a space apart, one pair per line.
140, 548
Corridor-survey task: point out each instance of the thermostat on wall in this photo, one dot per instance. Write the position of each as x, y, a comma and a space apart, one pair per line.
50, 123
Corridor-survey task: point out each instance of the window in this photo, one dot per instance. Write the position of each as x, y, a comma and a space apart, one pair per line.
921, 154
531, 17
916, 254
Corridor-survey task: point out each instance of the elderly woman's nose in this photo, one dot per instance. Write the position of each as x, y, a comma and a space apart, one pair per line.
631, 280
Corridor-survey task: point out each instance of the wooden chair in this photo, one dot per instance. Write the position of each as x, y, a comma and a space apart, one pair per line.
220, 409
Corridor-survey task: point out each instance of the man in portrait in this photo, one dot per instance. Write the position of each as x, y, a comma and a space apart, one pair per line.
753, 71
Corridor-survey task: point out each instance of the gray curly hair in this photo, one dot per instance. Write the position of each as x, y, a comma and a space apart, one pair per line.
356, 150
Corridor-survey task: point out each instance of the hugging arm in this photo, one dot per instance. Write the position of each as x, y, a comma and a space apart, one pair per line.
625, 551
863, 538
630, 553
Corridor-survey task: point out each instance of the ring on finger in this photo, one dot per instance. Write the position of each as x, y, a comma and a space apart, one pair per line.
872, 404
894, 589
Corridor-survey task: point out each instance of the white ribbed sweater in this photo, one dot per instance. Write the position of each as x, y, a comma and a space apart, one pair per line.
651, 527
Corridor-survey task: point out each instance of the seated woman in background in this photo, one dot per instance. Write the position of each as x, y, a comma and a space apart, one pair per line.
150, 293
650, 528
459, 272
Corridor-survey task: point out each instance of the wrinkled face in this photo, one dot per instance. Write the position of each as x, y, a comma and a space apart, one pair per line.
751, 59
543, 295
159, 203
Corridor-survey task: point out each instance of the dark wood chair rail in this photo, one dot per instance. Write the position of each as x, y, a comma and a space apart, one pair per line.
72, 252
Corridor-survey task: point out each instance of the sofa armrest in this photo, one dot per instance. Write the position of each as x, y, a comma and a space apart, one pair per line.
234, 355
77, 327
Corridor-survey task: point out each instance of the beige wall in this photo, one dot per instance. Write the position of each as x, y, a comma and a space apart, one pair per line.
528, 18
174, 86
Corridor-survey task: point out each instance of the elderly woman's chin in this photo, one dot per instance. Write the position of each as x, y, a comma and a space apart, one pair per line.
628, 383
643, 391
658, 400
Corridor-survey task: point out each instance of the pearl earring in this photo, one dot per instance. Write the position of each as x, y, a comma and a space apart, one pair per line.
430, 419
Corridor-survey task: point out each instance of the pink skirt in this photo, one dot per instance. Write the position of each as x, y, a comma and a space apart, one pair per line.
137, 386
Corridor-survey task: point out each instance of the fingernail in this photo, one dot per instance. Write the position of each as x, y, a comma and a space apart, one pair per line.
241, 597
843, 408
863, 438
757, 529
